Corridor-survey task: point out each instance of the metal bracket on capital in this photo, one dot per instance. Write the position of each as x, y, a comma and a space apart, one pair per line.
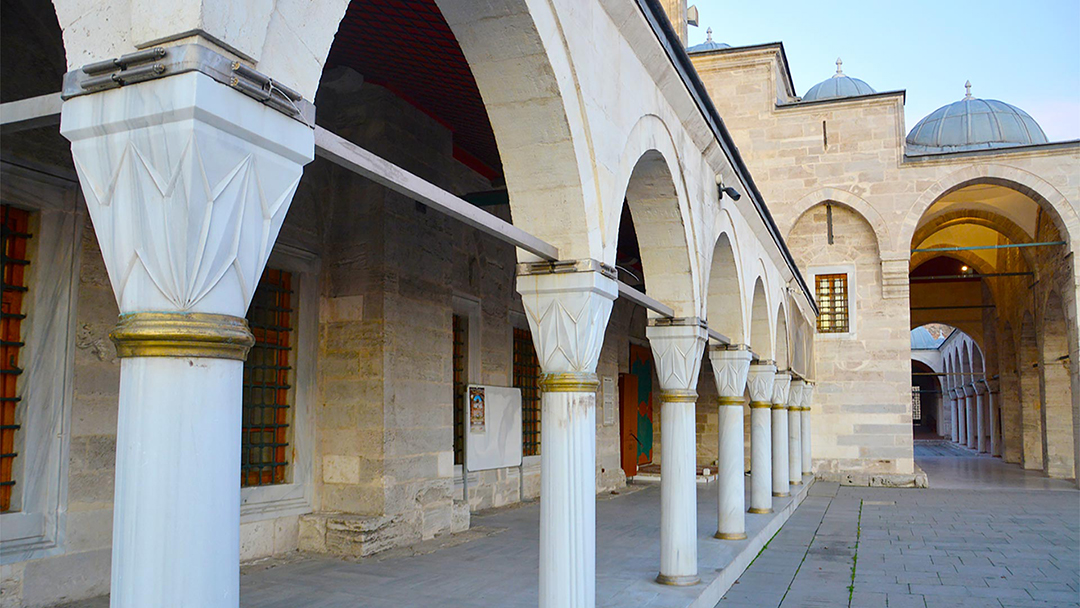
162, 62
565, 267
678, 322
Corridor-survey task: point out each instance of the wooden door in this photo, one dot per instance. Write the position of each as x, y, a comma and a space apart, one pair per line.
641, 366
628, 413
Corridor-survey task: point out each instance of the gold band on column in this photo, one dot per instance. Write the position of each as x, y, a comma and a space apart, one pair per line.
729, 400
779, 406
569, 382
758, 511
730, 535
177, 334
678, 396
754, 405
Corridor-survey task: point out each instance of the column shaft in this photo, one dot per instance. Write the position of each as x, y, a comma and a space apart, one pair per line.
955, 411
992, 398
795, 445
678, 490
568, 499
760, 458
780, 475
972, 422
807, 396
961, 417
176, 521
981, 423
731, 484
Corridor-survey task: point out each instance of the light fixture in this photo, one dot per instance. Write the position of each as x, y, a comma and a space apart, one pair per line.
965, 268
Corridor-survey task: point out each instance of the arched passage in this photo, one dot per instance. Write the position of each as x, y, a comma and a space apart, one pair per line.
760, 337
724, 304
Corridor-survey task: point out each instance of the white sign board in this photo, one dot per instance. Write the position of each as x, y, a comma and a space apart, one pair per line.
492, 427
608, 392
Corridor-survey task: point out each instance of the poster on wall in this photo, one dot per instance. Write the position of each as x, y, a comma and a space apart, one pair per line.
494, 437
608, 391
477, 413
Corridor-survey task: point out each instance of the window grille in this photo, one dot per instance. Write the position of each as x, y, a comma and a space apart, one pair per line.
916, 404
832, 298
459, 389
267, 377
527, 378
14, 233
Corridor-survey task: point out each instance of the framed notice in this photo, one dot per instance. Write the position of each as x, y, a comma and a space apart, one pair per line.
477, 410
608, 395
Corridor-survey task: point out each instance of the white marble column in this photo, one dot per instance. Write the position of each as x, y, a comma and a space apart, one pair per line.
807, 397
971, 423
730, 364
677, 347
187, 182
795, 432
993, 404
760, 381
780, 475
982, 425
568, 304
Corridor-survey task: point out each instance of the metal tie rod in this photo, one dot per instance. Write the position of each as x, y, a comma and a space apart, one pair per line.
981, 247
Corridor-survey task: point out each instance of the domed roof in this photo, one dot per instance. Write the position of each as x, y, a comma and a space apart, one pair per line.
708, 45
974, 124
839, 86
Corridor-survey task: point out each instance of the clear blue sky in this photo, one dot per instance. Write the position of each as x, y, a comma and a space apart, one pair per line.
1026, 53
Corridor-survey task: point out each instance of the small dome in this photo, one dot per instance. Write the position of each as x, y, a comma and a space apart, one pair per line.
839, 86
708, 45
974, 124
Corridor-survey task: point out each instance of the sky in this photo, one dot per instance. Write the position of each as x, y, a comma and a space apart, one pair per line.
1024, 53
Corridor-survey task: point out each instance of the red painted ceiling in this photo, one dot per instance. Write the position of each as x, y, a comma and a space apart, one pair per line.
407, 47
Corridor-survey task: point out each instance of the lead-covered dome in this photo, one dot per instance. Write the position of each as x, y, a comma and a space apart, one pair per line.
974, 124
839, 86
708, 45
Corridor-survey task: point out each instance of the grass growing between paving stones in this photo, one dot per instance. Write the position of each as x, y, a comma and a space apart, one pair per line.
763, 547
855, 558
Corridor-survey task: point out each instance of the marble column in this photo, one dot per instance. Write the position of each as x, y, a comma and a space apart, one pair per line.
795, 432
567, 304
982, 425
187, 182
780, 475
677, 347
993, 404
954, 411
969, 404
961, 417
760, 381
730, 364
807, 397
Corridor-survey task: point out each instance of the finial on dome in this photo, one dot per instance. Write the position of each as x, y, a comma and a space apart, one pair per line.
708, 35
839, 68
967, 87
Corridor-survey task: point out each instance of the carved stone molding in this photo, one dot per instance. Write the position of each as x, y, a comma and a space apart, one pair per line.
780, 388
187, 182
568, 314
677, 350
730, 367
807, 395
760, 380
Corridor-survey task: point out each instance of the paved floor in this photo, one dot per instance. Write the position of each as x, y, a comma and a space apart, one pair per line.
1011, 543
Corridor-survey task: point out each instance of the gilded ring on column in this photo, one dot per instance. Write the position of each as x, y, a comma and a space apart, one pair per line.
779, 406
678, 396
176, 334
760, 405
569, 382
730, 535
729, 400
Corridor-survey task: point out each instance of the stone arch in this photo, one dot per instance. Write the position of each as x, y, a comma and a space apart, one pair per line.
724, 303
847, 199
656, 195
978, 217
1057, 411
760, 335
1029, 184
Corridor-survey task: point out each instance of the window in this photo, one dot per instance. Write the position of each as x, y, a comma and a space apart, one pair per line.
832, 299
916, 404
267, 383
527, 378
460, 348
13, 235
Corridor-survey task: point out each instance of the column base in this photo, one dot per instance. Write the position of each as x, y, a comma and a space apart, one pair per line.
681, 580
806, 473
780, 494
730, 535
758, 511
796, 483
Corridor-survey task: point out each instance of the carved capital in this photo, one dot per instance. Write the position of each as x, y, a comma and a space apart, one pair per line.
187, 182
760, 380
731, 365
780, 388
980, 387
795, 393
677, 350
568, 312
807, 395
969, 390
